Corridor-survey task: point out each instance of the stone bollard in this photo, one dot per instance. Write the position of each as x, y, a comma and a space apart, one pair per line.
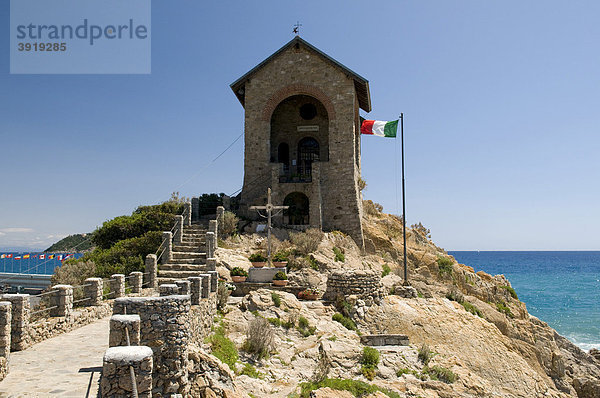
135, 281
214, 280
116, 376
220, 218
168, 289
19, 330
211, 264
151, 271
184, 287
213, 226
187, 210
195, 289
178, 233
5, 317
205, 285
117, 285
93, 289
62, 299
167, 245
118, 325
210, 244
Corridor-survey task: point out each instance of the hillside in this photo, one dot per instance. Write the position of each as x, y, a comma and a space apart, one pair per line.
72, 243
469, 334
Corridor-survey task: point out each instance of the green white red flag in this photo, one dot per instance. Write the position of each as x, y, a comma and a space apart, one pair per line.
379, 128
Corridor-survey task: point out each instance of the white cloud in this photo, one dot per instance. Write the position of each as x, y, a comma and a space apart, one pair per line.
17, 230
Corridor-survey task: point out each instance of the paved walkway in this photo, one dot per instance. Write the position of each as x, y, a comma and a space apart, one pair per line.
68, 365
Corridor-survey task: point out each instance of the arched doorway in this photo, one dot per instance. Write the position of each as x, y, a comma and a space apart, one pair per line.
308, 152
298, 213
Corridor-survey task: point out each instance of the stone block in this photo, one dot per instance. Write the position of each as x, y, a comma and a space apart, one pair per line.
168, 289
93, 289
117, 285
116, 377
184, 287
214, 280
151, 264
118, 326
205, 285
195, 289
262, 275
136, 279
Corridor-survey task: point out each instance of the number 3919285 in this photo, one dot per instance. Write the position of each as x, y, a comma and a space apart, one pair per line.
42, 46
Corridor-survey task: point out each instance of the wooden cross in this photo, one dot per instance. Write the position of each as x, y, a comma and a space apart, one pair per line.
269, 208
297, 28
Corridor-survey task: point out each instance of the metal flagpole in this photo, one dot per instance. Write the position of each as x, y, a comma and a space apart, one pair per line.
403, 200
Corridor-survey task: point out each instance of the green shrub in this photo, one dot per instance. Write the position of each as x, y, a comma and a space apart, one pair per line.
386, 270
405, 371
425, 354
444, 265
237, 271
345, 321
276, 299
369, 361
503, 308
281, 256
304, 327
355, 387
223, 348
308, 241
339, 254
440, 373
472, 309
274, 321
208, 203
302, 322
251, 371
280, 276
257, 258
511, 291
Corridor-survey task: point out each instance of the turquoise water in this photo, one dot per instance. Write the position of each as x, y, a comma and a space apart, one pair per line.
560, 288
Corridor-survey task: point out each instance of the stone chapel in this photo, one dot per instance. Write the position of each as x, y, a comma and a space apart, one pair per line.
302, 138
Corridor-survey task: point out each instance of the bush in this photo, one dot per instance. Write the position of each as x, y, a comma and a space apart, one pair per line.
503, 308
280, 276
421, 230
369, 361
444, 265
237, 271
251, 371
223, 294
510, 291
355, 387
386, 270
276, 299
223, 348
472, 309
362, 184
274, 321
339, 254
257, 258
260, 338
425, 354
229, 225
308, 241
74, 274
304, 327
372, 208
280, 256
440, 373
404, 371
345, 321
208, 203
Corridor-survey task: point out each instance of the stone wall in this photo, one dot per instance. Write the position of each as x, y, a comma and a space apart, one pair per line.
365, 285
201, 319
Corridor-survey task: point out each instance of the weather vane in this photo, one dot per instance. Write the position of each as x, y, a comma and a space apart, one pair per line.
297, 28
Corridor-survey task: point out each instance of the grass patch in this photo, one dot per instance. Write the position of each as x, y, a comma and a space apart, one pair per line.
386, 270
355, 387
251, 371
332, 338
503, 308
345, 321
425, 354
472, 309
222, 347
339, 254
407, 371
304, 327
510, 291
440, 373
274, 321
276, 299
444, 265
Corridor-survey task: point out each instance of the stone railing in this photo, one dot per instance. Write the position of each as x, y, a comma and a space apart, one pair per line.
57, 311
163, 327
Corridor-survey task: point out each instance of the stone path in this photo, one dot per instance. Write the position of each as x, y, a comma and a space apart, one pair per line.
68, 365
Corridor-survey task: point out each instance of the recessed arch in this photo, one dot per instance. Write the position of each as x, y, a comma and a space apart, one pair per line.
298, 211
297, 89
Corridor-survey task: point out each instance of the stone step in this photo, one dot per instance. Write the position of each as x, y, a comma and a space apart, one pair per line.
180, 267
193, 240
179, 274
189, 261
189, 248
190, 255
194, 234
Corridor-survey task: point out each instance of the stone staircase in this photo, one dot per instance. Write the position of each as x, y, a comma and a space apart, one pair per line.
188, 256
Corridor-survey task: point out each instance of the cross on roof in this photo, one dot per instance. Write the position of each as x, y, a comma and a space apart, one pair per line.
297, 28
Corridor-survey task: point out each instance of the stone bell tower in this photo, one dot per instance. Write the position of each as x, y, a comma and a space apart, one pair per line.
302, 138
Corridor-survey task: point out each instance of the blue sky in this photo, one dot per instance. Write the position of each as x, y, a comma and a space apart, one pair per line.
500, 100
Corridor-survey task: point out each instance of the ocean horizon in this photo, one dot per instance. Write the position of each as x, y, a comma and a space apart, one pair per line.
562, 288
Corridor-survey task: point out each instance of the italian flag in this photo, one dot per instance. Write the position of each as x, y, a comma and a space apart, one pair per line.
379, 128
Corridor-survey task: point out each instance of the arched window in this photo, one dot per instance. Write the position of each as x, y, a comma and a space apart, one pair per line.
308, 152
298, 212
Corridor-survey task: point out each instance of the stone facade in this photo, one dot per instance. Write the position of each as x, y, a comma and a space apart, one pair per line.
364, 285
273, 96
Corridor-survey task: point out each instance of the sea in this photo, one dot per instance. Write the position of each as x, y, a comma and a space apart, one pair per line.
33, 262
561, 288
